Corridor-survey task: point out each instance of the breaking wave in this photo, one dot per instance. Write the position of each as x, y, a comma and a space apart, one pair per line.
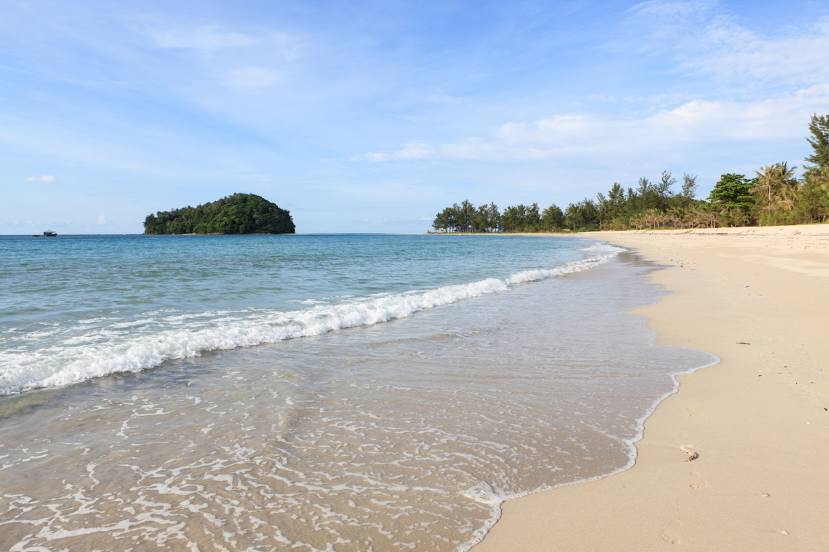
106, 352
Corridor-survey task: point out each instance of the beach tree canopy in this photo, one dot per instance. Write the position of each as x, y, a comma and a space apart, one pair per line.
775, 196
733, 194
819, 140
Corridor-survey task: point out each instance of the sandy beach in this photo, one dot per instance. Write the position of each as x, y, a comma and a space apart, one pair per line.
737, 459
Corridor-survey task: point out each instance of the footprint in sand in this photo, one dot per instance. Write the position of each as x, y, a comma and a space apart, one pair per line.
670, 537
689, 450
697, 482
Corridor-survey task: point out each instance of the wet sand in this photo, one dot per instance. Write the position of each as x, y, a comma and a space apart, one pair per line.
737, 460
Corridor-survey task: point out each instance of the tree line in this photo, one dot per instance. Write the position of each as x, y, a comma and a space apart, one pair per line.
774, 195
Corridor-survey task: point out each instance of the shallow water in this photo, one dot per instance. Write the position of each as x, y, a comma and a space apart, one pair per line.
403, 433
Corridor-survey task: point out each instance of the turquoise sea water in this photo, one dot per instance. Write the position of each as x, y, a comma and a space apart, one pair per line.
76, 307
343, 392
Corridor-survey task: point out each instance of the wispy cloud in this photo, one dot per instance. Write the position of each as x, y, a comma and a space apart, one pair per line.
205, 37
251, 78
215, 38
410, 151
738, 53
568, 135
767, 86
238, 59
704, 38
43, 178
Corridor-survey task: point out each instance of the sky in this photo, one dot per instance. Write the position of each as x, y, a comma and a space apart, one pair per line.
372, 116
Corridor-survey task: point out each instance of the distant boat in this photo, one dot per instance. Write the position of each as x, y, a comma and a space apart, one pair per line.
50, 234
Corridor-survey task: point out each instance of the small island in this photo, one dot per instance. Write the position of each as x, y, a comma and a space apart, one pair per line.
234, 214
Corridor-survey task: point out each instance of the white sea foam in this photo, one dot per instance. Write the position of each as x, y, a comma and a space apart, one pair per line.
75, 361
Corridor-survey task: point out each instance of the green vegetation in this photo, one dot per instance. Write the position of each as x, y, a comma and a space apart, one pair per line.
234, 214
774, 196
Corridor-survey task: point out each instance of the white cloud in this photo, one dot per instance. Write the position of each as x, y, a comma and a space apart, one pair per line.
206, 37
796, 59
240, 61
44, 178
773, 83
697, 38
704, 39
251, 78
410, 151
696, 121
100, 220
214, 38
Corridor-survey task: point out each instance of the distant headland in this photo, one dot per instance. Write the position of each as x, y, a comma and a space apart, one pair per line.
234, 214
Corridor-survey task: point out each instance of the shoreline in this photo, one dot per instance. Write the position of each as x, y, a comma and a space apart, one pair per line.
632, 442
662, 498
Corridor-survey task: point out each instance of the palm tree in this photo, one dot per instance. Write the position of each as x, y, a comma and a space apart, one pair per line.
777, 184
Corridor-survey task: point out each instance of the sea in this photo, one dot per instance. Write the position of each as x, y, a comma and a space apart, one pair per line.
312, 392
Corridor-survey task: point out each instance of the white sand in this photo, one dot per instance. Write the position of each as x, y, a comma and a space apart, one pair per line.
759, 299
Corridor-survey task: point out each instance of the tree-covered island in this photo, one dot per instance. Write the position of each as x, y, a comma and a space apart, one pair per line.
234, 214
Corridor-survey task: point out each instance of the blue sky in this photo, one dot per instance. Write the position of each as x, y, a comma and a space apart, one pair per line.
371, 116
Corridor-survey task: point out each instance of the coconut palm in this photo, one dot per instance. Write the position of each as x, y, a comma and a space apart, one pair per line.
776, 185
